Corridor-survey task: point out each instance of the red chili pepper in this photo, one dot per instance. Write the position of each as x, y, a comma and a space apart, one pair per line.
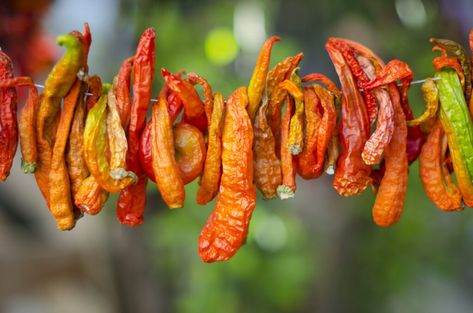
194, 111
121, 85
8, 124
132, 200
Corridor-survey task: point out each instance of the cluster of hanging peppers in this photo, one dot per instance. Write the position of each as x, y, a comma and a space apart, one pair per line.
84, 139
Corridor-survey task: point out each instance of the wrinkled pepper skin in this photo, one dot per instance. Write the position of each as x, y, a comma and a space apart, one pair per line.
132, 200
210, 179
389, 201
166, 171
431, 100
227, 226
60, 202
121, 88
57, 85
267, 167
8, 123
258, 79
434, 175
288, 186
352, 175
457, 124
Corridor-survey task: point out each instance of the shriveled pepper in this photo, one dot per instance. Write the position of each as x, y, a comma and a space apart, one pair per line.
210, 179
457, 124
132, 200
166, 170
208, 94
60, 203
433, 172
444, 61
121, 88
258, 79
95, 148
287, 188
307, 166
26, 126
57, 85
194, 109
431, 100
227, 226
462, 56
375, 145
296, 132
267, 167
389, 201
352, 175
8, 124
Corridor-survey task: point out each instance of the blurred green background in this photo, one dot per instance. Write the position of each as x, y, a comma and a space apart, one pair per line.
316, 253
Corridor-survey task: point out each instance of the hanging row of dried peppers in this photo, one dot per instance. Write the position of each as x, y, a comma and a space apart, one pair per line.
83, 139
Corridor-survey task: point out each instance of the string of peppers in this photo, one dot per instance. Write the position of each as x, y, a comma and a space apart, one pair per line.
83, 139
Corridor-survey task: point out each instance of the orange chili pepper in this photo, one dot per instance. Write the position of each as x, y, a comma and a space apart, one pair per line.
121, 88
166, 170
210, 179
352, 175
276, 96
227, 226
287, 188
60, 203
296, 132
208, 94
444, 61
189, 147
434, 174
258, 79
267, 167
389, 202
307, 159
90, 197
376, 144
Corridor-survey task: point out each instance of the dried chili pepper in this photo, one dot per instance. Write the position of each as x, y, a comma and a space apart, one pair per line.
375, 145
389, 201
431, 100
276, 75
258, 79
208, 94
227, 226
132, 200
121, 88
57, 85
462, 56
327, 124
457, 124
60, 203
8, 124
26, 126
267, 167
95, 148
433, 172
296, 132
332, 149
166, 170
352, 175
194, 110
146, 159
287, 188
359, 74
90, 197
444, 61
307, 166
210, 179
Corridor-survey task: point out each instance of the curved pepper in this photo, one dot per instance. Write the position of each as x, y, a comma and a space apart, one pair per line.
210, 179
227, 226
189, 147
456, 122
434, 175
258, 79
431, 99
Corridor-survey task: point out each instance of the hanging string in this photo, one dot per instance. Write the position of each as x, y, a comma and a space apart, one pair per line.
414, 82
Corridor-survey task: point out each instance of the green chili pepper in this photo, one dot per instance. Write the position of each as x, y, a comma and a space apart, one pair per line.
462, 56
458, 126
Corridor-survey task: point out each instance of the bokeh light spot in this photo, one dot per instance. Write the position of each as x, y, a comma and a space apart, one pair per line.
220, 46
